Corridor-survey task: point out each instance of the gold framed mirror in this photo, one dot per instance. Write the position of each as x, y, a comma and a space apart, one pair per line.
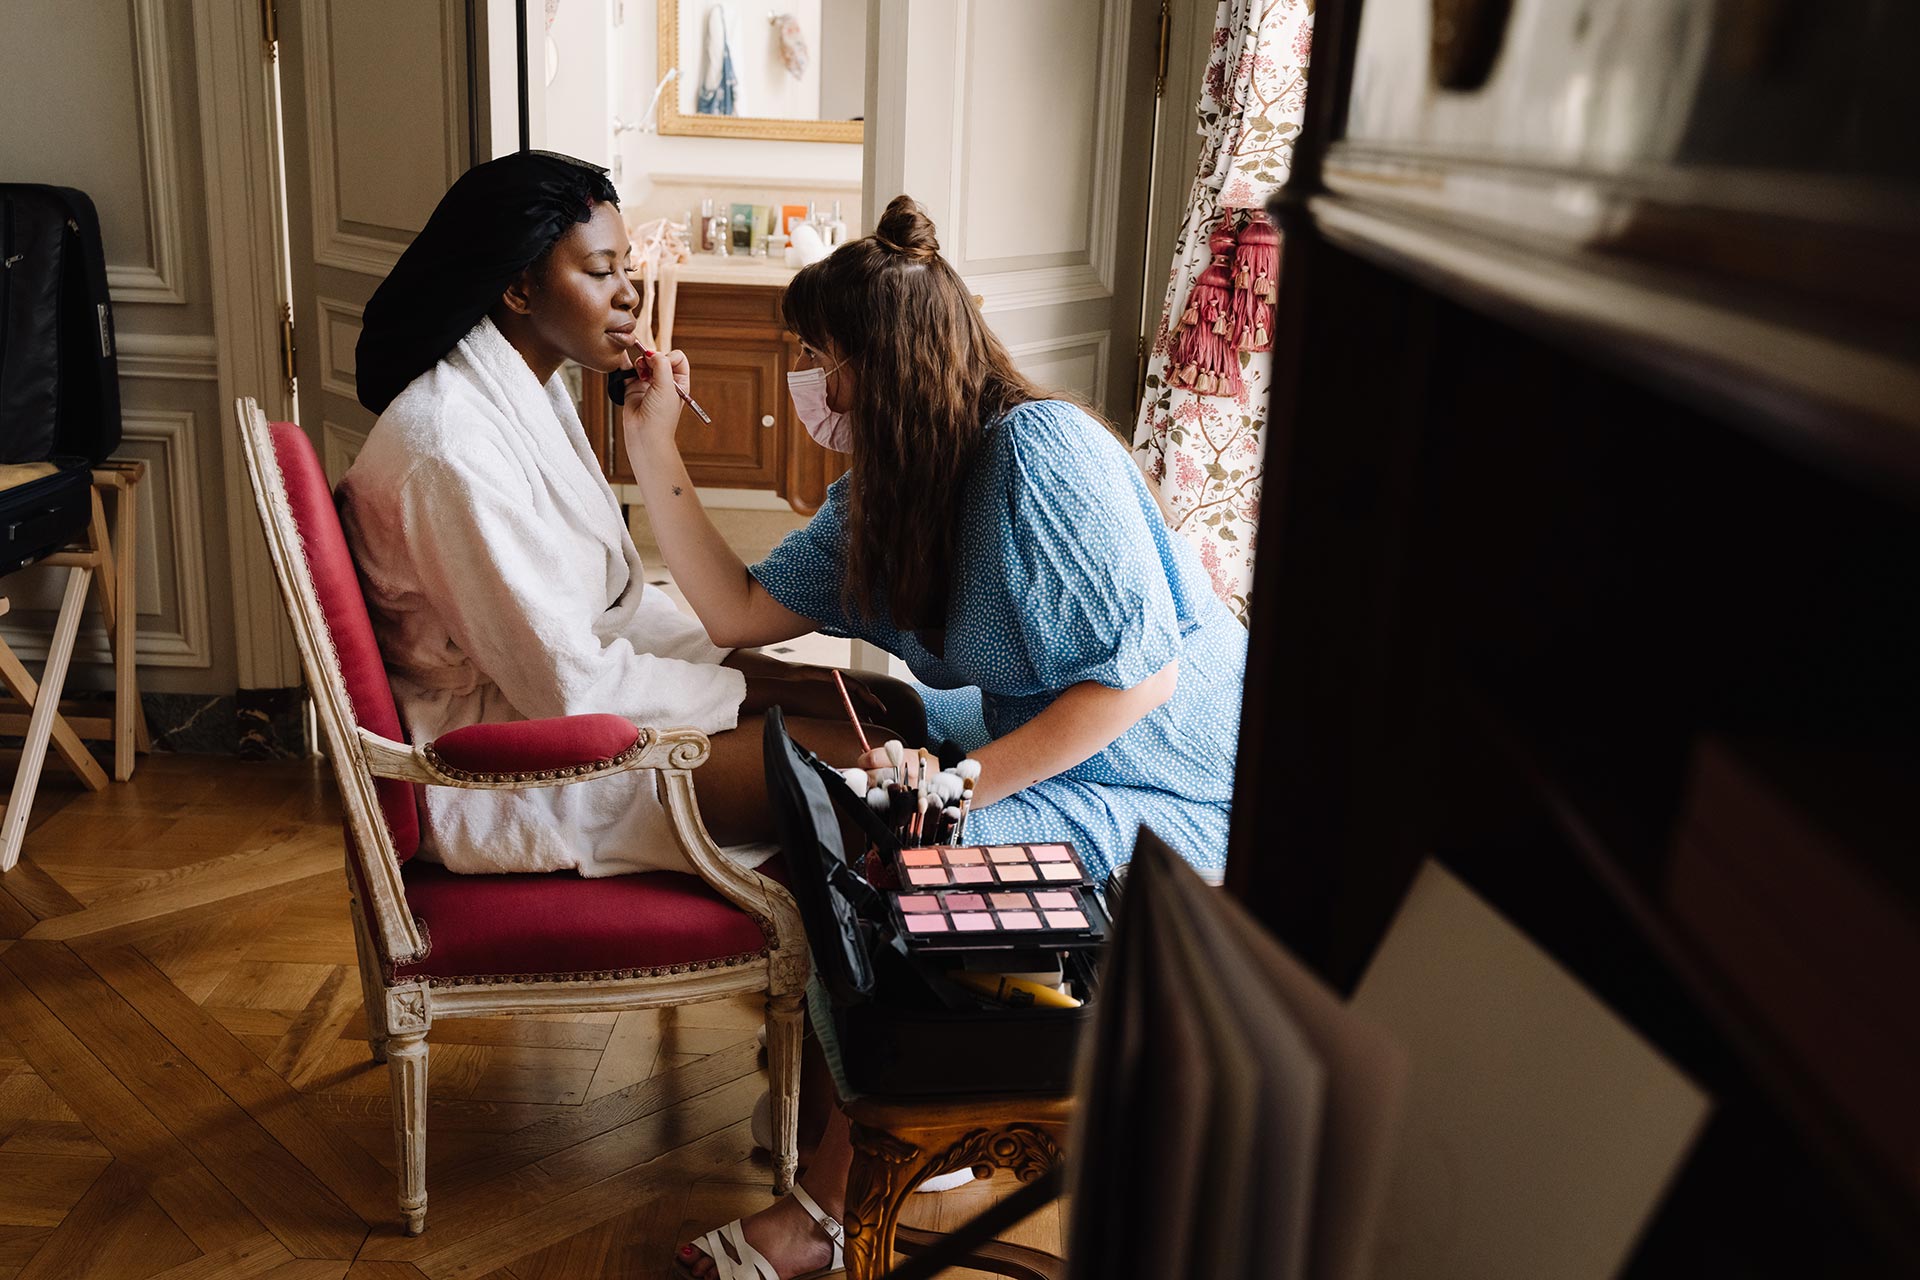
759, 62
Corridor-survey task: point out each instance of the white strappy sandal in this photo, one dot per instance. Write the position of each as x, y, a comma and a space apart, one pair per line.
735, 1259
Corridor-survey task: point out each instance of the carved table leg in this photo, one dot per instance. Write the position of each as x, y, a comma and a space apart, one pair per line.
876, 1184
887, 1166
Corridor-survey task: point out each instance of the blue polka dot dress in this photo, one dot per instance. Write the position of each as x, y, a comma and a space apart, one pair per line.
1066, 573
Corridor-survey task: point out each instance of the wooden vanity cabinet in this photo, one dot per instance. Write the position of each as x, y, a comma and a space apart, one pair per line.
740, 353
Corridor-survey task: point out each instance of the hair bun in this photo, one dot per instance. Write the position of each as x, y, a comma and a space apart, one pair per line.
905, 229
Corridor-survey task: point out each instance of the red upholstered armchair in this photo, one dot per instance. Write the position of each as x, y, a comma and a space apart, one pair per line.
437, 945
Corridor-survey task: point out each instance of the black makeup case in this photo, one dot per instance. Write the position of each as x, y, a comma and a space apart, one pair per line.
902, 1029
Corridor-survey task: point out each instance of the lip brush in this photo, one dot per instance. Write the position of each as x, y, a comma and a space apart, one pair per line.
690, 401
617, 388
847, 702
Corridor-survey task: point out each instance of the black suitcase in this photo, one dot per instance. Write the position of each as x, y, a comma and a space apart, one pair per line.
59, 380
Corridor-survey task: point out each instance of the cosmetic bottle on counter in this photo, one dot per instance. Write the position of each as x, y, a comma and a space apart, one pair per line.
835, 232
703, 236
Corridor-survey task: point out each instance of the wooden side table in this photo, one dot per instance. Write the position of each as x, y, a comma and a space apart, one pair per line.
899, 1144
112, 557
40, 718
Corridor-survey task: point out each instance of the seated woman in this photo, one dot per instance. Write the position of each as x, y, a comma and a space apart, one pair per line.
1005, 547
499, 571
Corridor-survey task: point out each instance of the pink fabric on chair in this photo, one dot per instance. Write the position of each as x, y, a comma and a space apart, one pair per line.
530, 746
337, 585
557, 924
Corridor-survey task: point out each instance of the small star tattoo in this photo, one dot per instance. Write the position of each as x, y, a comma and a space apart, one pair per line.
676, 491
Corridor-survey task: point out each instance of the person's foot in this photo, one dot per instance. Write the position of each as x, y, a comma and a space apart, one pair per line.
784, 1234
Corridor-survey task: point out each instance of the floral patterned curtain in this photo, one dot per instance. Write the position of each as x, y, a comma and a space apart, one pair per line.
1203, 451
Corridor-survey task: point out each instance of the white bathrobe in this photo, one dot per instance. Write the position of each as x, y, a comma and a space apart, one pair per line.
504, 586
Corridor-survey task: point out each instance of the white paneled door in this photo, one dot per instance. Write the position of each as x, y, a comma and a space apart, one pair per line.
377, 126
1026, 131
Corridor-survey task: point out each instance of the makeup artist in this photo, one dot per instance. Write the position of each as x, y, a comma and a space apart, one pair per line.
497, 566
1000, 542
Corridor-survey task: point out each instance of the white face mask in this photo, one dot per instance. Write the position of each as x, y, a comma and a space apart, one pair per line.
829, 428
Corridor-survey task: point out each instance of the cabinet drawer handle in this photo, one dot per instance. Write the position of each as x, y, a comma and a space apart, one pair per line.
766, 419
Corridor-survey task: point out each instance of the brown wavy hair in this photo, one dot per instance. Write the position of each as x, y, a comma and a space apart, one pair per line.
930, 377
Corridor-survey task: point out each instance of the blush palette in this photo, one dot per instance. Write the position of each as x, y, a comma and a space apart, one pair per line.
1033, 866
963, 918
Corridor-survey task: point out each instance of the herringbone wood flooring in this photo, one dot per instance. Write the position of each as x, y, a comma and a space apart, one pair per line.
185, 1090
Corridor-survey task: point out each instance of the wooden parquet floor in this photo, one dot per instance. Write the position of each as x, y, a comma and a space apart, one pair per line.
186, 1093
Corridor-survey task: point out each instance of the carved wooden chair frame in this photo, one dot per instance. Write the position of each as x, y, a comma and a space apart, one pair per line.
400, 1014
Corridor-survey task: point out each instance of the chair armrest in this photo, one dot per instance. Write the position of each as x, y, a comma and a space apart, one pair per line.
558, 752
534, 753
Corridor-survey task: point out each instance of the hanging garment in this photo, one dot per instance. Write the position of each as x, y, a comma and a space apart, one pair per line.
719, 87
503, 586
1203, 452
793, 44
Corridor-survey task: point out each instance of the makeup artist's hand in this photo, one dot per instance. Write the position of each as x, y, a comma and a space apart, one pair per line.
652, 410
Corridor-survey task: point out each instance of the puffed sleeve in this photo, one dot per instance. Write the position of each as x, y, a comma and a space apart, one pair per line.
805, 571
1087, 574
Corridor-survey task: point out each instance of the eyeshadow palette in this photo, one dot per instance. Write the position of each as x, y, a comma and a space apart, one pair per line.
963, 918
991, 866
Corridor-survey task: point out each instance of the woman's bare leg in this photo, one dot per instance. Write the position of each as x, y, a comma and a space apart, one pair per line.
732, 785
783, 1232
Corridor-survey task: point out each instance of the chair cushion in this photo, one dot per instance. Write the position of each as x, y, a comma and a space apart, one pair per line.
337, 586
530, 746
559, 925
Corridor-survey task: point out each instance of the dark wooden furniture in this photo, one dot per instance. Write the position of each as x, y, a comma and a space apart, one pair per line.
1590, 560
740, 353
898, 1144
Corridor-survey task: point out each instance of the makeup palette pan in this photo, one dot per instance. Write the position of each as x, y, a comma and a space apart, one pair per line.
966, 919
1027, 866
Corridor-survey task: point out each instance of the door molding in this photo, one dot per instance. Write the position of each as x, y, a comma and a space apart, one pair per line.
158, 279
1070, 264
241, 161
335, 242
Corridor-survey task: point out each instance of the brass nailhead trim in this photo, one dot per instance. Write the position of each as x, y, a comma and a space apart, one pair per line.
632, 753
599, 975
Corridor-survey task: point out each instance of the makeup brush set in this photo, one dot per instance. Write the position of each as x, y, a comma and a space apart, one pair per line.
920, 802
949, 968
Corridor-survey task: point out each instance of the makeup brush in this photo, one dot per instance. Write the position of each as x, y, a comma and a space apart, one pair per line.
618, 380
847, 702
896, 756
966, 806
927, 800
856, 779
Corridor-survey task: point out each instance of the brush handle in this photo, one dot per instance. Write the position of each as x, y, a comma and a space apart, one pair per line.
620, 379
847, 701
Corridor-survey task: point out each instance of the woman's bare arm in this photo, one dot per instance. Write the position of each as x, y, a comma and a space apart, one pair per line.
735, 609
1081, 723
